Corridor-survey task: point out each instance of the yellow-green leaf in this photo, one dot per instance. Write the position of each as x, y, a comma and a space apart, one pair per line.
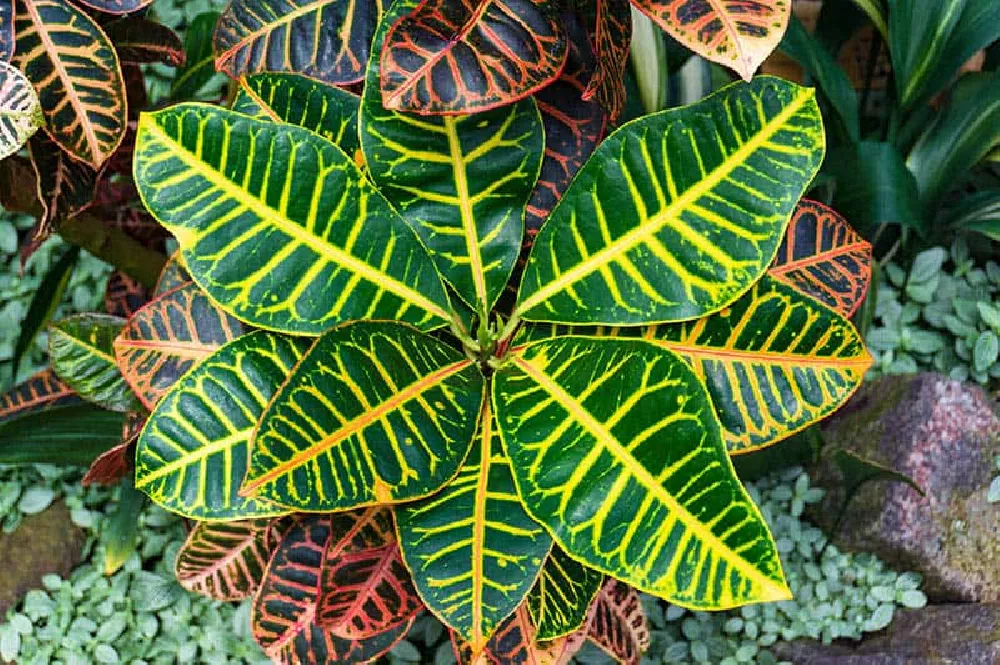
561, 598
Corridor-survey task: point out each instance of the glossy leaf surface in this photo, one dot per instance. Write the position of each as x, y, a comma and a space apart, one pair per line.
109, 468
20, 111
473, 550
192, 454
139, 40
41, 391
330, 112
874, 187
278, 226
124, 295
75, 71
116, 6
169, 336
464, 56
638, 492
738, 34
80, 349
679, 212
618, 624
823, 257
559, 601
225, 560
324, 39
374, 413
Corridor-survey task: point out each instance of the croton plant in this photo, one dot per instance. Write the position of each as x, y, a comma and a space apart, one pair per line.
373, 389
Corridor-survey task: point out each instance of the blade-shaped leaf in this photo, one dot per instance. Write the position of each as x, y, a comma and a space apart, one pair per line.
121, 531
609, 23
464, 56
226, 560
173, 275
561, 598
515, 643
322, 39
330, 112
6, 30
43, 390
74, 434
823, 257
677, 213
617, 623
646, 495
139, 40
80, 348
192, 454
75, 71
299, 241
366, 589
65, 186
738, 34
473, 551
168, 337
199, 61
374, 413
462, 182
20, 111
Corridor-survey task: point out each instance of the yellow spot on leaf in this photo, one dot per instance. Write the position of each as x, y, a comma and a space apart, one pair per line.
383, 494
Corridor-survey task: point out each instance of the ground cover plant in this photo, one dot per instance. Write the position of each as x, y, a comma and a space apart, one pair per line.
368, 406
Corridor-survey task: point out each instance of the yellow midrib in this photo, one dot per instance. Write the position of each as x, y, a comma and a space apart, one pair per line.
298, 233
652, 225
479, 641
644, 477
465, 211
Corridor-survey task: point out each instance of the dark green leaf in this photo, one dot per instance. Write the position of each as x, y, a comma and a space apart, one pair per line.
75, 434
199, 65
874, 187
978, 212
123, 528
82, 354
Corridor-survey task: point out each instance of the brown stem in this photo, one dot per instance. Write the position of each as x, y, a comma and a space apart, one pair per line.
114, 246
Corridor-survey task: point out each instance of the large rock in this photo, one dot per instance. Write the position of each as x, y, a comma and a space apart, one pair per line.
44, 543
944, 435
961, 634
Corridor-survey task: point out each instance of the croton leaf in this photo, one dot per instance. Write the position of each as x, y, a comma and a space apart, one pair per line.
645, 495
20, 112
279, 226
823, 257
192, 454
617, 623
374, 413
173, 275
167, 337
109, 468
330, 112
462, 182
226, 560
139, 40
116, 6
124, 295
75, 71
6, 30
465, 56
698, 197
284, 613
366, 589
738, 34
80, 349
65, 186
322, 39
609, 23
561, 598
199, 61
473, 551
515, 643
41, 391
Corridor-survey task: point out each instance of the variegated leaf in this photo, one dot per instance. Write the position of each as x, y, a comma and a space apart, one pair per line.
80, 349
465, 56
226, 560
192, 454
65, 186
823, 257
6, 30
617, 623
124, 295
173, 275
42, 391
139, 40
561, 598
20, 112
116, 6
609, 23
374, 413
515, 643
75, 70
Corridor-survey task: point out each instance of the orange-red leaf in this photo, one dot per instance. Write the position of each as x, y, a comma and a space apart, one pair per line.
514, 644
124, 295
41, 391
226, 560
609, 23
617, 623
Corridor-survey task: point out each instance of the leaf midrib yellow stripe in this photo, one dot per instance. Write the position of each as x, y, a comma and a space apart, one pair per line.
298, 233
478, 641
192, 456
654, 224
774, 357
645, 478
465, 211
265, 28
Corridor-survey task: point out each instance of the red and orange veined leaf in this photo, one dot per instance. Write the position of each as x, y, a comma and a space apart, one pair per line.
366, 588
139, 40
43, 390
738, 34
124, 295
514, 643
617, 623
463, 56
167, 337
609, 23
226, 560
172, 275
823, 257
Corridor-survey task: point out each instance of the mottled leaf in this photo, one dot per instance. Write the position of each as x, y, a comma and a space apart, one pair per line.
43, 390
226, 560
561, 598
618, 624
80, 349
20, 111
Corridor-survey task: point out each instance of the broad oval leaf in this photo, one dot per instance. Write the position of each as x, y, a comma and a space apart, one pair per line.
278, 226
738, 34
139, 40
561, 598
465, 56
192, 454
366, 589
80, 349
473, 551
169, 336
461, 182
41, 391
330, 112
75, 70
20, 111
374, 413
326, 40
226, 560
641, 493
823, 257
617, 623
678, 213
